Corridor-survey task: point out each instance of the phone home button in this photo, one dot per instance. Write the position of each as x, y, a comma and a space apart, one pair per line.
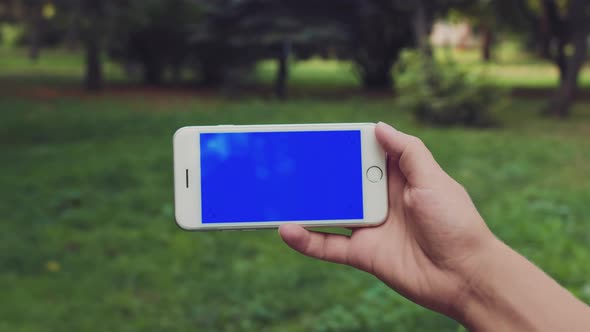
374, 174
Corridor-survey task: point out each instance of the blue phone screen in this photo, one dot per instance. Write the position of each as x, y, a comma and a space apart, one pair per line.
281, 176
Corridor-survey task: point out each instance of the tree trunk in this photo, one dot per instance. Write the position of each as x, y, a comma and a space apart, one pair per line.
176, 67
176, 73
209, 68
555, 29
282, 71
71, 39
563, 100
420, 26
153, 72
487, 39
211, 77
543, 35
570, 66
73, 34
377, 78
94, 77
561, 59
552, 28
35, 33
92, 11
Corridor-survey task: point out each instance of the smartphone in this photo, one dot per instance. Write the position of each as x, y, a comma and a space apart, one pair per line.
261, 176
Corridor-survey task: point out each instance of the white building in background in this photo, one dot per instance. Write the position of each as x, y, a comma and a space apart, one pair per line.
445, 34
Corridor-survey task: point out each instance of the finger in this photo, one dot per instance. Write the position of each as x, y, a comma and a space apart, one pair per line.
413, 158
396, 184
396, 179
329, 247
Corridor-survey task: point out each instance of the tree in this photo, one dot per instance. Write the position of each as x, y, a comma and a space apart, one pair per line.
90, 18
569, 30
155, 34
370, 33
92, 21
29, 14
11, 11
72, 22
381, 29
379, 32
559, 31
483, 15
235, 35
35, 18
93, 12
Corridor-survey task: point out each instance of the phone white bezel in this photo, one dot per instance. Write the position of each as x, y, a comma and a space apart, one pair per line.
187, 183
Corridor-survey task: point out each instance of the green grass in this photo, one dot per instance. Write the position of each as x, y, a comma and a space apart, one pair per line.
511, 68
313, 73
88, 240
54, 66
334, 74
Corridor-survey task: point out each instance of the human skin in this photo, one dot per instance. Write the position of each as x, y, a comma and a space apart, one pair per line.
435, 249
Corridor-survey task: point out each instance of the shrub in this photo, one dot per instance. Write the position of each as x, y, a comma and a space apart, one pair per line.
443, 94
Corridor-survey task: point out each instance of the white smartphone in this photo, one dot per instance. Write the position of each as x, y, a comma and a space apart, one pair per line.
262, 176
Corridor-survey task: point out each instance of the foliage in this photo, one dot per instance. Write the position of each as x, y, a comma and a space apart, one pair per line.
9, 35
154, 34
508, 16
371, 34
363, 315
515, 69
443, 94
557, 30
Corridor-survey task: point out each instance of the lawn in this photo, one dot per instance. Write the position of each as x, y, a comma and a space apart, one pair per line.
511, 68
88, 241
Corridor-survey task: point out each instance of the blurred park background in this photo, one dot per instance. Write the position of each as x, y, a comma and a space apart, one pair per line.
91, 92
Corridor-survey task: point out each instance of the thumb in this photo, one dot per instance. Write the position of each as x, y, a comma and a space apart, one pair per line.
411, 155
329, 247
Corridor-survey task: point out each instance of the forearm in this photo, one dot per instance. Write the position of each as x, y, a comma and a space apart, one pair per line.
509, 293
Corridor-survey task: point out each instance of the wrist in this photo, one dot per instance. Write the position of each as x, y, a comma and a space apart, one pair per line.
507, 292
479, 287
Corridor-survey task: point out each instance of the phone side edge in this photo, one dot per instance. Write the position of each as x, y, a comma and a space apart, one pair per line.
376, 195
184, 217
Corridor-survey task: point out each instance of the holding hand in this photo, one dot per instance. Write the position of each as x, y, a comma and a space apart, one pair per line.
435, 249
425, 249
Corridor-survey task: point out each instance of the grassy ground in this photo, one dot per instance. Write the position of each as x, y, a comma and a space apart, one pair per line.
88, 241
511, 68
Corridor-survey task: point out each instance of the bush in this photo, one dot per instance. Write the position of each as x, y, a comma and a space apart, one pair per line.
10, 35
443, 94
